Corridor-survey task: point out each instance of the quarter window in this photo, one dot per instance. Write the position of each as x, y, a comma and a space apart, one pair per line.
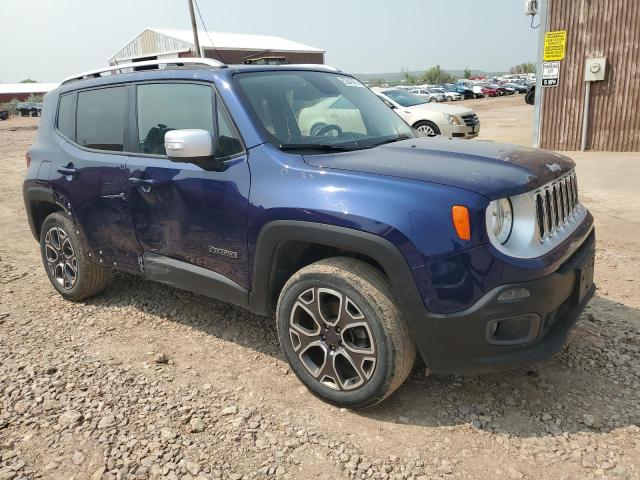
100, 118
228, 141
67, 116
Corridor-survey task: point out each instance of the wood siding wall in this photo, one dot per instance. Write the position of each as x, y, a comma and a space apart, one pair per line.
595, 28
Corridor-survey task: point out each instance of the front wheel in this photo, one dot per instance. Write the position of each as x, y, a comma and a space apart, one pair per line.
427, 128
343, 333
70, 270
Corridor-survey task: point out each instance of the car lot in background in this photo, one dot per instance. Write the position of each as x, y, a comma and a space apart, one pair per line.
430, 94
431, 119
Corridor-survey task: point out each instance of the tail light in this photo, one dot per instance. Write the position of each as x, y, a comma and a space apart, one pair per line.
27, 157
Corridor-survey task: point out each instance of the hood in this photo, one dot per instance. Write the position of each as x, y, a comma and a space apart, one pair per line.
491, 169
443, 108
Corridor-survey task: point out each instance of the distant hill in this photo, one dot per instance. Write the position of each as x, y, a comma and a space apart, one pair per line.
396, 77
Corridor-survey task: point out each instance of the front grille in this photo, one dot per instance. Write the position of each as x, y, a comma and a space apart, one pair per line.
556, 203
470, 120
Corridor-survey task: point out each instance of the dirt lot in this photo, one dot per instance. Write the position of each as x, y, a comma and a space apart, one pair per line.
146, 381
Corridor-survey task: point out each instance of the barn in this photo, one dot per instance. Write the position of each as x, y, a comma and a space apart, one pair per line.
22, 91
229, 48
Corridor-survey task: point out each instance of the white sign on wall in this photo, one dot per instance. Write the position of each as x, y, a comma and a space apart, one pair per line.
550, 74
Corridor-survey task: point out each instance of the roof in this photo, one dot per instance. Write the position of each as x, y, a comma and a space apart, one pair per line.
153, 42
17, 88
236, 41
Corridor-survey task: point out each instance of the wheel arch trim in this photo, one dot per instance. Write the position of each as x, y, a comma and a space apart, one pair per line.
379, 249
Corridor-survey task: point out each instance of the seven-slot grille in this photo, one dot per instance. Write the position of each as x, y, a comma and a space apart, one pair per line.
470, 120
556, 203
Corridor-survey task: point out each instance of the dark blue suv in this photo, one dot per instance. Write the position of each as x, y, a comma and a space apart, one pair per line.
296, 190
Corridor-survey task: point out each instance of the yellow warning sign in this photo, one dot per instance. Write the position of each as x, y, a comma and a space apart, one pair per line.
555, 44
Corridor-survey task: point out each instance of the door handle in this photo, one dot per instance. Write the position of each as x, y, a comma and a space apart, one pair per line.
68, 171
141, 182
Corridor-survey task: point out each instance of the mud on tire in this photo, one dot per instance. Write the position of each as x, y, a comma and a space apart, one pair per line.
343, 333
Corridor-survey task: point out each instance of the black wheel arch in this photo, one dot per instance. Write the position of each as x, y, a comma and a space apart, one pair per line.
275, 260
40, 202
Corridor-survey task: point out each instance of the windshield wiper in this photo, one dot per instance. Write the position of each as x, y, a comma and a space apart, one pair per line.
392, 140
316, 146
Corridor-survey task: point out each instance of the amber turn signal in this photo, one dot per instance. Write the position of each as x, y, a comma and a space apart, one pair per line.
460, 217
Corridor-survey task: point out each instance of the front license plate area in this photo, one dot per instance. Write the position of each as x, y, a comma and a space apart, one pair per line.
584, 277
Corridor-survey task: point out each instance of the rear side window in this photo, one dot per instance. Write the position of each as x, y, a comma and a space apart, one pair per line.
67, 116
100, 116
171, 106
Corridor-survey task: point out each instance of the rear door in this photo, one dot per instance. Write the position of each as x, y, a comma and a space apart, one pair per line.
185, 210
89, 174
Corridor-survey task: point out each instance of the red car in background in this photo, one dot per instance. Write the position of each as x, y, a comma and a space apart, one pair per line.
489, 91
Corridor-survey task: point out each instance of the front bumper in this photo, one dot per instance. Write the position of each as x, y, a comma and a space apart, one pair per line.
462, 131
462, 342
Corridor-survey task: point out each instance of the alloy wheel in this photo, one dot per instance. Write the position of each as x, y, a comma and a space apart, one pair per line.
332, 339
61, 258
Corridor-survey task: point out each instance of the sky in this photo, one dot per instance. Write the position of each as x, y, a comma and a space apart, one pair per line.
47, 40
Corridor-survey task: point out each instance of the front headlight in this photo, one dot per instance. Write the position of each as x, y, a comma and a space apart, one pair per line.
452, 119
501, 220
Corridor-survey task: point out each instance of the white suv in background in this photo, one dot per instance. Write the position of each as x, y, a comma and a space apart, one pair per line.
431, 118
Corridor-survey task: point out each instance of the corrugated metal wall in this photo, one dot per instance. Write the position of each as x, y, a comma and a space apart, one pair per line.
149, 43
595, 28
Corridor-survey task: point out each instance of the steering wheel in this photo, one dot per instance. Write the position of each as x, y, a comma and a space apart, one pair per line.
327, 128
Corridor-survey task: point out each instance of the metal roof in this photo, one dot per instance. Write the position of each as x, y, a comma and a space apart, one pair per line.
163, 41
18, 88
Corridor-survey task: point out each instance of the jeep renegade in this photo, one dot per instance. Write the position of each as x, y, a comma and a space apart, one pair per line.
367, 241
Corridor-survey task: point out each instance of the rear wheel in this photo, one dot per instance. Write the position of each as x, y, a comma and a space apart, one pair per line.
343, 334
70, 270
428, 128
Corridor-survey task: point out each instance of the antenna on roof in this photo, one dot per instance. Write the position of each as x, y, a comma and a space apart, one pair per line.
194, 27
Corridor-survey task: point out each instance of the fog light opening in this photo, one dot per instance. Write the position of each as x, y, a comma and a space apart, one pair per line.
515, 330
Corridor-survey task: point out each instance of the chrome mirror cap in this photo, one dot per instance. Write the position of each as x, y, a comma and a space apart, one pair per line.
188, 143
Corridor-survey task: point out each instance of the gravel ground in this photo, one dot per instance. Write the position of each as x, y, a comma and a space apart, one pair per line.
146, 381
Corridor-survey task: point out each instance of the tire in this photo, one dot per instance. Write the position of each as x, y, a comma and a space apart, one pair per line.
427, 127
62, 250
368, 315
530, 97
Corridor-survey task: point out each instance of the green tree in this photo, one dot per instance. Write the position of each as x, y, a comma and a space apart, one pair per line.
376, 82
409, 79
528, 67
435, 76
28, 80
467, 73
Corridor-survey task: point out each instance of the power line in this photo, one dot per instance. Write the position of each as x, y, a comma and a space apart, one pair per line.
207, 31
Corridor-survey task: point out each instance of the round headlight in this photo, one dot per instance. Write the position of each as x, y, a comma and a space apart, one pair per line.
501, 219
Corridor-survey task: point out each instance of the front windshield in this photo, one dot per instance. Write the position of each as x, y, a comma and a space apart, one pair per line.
307, 108
406, 99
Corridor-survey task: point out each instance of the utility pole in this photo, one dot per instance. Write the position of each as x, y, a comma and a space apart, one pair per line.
194, 27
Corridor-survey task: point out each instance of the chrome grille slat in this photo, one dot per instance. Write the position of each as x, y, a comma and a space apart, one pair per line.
556, 203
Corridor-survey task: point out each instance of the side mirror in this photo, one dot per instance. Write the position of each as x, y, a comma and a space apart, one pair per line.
188, 144
192, 146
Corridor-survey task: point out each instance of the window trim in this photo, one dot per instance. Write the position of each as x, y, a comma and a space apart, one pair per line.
133, 114
125, 120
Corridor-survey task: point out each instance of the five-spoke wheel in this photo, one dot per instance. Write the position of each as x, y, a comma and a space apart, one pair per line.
342, 332
60, 257
332, 338
70, 269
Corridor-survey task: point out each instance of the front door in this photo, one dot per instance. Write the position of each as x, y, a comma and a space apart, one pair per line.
182, 210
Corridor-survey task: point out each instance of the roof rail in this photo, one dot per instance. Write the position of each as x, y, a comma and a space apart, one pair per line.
319, 66
147, 63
